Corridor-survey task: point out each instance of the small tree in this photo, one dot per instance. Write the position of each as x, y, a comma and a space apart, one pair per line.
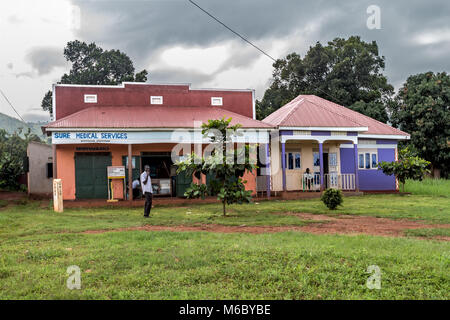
332, 198
226, 166
408, 166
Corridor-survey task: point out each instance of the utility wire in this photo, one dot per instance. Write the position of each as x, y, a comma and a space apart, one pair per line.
253, 45
9, 102
235, 32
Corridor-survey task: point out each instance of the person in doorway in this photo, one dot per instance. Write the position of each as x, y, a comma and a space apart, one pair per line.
308, 179
135, 185
147, 190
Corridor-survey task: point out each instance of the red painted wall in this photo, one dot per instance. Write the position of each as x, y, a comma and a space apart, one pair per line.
71, 99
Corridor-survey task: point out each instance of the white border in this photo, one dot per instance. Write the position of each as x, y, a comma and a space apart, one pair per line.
362, 129
156, 97
384, 136
88, 95
220, 104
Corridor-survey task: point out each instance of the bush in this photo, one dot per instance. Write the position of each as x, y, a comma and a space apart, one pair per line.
332, 198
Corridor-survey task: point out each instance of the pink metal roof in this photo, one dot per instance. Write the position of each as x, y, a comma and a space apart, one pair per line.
313, 111
150, 117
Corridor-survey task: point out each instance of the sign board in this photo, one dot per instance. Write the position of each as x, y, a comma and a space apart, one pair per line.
136, 137
57, 195
116, 172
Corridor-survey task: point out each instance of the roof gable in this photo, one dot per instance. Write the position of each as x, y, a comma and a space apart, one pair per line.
313, 111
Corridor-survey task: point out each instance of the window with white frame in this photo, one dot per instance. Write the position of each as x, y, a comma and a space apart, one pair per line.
90, 98
156, 100
216, 101
293, 160
368, 160
316, 159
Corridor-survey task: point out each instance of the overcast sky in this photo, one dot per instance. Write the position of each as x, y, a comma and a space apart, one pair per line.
177, 43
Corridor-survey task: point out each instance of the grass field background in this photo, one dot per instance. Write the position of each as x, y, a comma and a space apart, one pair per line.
37, 245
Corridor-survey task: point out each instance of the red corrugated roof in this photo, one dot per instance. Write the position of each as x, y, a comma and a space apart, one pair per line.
150, 117
313, 111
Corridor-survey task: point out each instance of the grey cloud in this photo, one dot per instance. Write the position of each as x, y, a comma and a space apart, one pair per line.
45, 59
10, 65
177, 75
27, 74
144, 27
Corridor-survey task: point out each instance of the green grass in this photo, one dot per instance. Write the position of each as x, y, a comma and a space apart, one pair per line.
428, 233
433, 187
194, 265
37, 245
29, 217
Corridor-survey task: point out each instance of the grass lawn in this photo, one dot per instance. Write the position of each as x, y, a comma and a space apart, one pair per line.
37, 246
434, 187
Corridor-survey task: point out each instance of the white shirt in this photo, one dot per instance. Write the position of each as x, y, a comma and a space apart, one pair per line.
146, 187
135, 184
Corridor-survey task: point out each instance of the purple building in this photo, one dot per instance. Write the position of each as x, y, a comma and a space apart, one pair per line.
324, 145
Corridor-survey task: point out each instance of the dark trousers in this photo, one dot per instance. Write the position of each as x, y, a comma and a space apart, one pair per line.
148, 203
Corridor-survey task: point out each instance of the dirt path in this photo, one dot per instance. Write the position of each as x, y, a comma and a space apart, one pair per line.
343, 224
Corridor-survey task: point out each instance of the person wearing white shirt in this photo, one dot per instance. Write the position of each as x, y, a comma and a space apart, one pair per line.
146, 185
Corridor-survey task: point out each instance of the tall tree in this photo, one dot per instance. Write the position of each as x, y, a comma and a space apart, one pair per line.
346, 71
422, 109
93, 65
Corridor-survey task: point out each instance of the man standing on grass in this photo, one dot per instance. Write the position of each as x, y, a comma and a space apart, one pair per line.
146, 185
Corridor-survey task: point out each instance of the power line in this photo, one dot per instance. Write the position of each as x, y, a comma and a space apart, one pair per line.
253, 45
9, 102
235, 32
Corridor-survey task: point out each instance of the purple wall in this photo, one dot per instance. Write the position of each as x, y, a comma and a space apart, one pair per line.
286, 133
376, 179
350, 133
347, 160
321, 133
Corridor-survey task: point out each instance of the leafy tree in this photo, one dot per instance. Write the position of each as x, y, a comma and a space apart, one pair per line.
408, 166
422, 109
346, 71
93, 65
226, 165
13, 150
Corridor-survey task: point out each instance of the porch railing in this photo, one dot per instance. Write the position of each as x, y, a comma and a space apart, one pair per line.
344, 181
310, 182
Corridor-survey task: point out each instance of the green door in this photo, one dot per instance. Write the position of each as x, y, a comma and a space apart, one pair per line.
91, 181
136, 170
183, 182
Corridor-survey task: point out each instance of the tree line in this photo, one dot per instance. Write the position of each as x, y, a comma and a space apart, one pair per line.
346, 71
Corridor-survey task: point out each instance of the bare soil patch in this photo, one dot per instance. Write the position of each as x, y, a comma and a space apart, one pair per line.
342, 224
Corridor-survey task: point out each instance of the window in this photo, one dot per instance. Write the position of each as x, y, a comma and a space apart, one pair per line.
361, 161
133, 162
90, 98
368, 160
298, 163
332, 159
293, 160
374, 160
216, 101
316, 159
156, 100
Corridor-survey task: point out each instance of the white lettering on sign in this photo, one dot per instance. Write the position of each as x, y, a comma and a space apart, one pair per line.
136, 137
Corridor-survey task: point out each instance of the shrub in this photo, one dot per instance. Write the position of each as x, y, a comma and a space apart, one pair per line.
332, 198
